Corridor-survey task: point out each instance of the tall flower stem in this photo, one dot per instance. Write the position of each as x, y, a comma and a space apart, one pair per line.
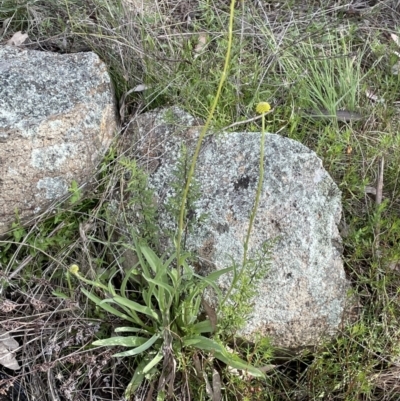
202, 135
262, 108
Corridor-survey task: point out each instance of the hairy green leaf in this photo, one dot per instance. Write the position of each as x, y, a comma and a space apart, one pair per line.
136, 380
108, 307
141, 348
132, 341
153, 362
136, 307
235, 362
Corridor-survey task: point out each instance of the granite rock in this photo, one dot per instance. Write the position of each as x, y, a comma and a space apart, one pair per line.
303, 296
57, 119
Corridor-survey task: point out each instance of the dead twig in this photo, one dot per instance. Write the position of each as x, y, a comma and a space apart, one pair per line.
378, 201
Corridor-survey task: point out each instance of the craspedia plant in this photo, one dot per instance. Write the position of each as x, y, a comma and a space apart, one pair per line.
263, 107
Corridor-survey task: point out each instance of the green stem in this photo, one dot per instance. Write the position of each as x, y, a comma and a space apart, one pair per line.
202, 135
258, 193
253, 213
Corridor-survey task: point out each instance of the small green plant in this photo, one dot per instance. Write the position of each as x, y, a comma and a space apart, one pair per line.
163, 314
76, 193
140, 198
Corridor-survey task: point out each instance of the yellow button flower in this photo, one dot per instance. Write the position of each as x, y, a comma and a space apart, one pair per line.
263, 107
74, 269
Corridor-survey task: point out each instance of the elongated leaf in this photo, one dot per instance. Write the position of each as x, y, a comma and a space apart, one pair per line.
152, 259
141, 348
167, 287
206, 344
168, 262
127, 277
238, 363
142, 262
215, 275
203, 327
130, 330
132, 341
111, 301
128, 311
156, 360
146, 295
187, 269
159, 293
136, 307
203, 343
173, 273
111, 288
136, 380
107, 307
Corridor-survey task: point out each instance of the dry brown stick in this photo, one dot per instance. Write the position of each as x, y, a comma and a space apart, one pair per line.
379, 182
378, 201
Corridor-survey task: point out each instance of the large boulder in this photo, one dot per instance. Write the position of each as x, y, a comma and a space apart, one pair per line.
303, 295
57, 119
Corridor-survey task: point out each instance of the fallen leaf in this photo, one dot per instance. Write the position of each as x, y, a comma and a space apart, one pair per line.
201, 44
267, 368
395, 39
18, 39
372, 96
212, 316
396, 68
8, 341
140, 88
7, 359
216, 383
7, 345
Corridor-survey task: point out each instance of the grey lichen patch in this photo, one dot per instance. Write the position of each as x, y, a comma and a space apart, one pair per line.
54, 188
51, 158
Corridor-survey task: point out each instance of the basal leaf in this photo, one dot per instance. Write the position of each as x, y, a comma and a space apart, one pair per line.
153, 362
129, 311
132, 341
152, 259
167, 287
136, 380
238, 363
130, 330
203, 343
206, 344
203, 327
106, 306
136, 307
141, 348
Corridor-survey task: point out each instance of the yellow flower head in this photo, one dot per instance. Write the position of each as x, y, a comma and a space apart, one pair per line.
74, 269
263, 107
